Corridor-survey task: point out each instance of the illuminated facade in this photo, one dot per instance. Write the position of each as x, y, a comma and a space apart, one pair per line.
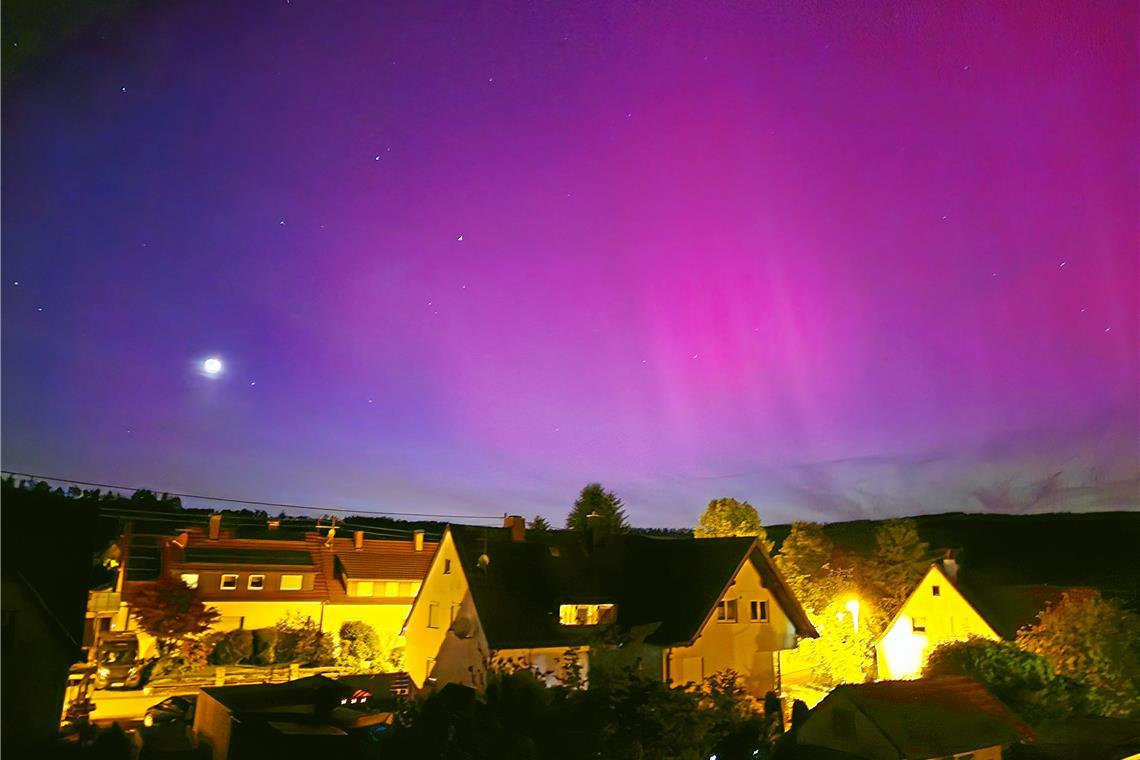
255, 577
935, 612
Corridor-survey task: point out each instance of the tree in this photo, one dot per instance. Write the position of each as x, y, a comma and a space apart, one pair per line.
172, 612
595, 500
300, 640
539, 524
898, 562
804, 562
729, 517
1094, 640
841, 654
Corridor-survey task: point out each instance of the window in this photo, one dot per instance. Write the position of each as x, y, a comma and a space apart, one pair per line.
392, 588
292, 582
587, 614
256, 582
759, 611
433, 615
447, 567
405, 589
229, 581
190, 579
936, 591
918, 625
726, 611
843, 723
364, 588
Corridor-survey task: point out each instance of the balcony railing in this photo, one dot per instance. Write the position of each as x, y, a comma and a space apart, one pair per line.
103, 601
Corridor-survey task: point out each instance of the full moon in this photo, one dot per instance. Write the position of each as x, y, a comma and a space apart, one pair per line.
212, 366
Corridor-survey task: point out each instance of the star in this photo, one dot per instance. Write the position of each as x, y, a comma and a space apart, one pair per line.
124, 89
1063, 263
459, 239
39, 308
695, 355
17, 282
252, 383
282, 223
1107, 329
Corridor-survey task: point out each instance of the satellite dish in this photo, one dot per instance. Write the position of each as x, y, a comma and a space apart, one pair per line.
483, 562
463, 627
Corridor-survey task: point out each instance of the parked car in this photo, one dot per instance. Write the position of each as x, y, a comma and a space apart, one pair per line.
178, 709
118, 662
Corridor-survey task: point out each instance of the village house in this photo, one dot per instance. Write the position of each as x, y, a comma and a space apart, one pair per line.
942, 608
947, 717
255, 575
684, 609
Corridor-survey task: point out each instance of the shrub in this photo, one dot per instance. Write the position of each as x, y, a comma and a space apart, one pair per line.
300, 639
233, 647
360, 647
264, 646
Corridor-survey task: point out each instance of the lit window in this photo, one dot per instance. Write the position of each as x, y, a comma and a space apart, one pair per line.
936, 591
229, 581
364, 588
759, 611
292, 582
415, 587
392, 588
587, 614
433, 615
726, 611
405, 589
919, 625
190, 579
447, 567
256, 582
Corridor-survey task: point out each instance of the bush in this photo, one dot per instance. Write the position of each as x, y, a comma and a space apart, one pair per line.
360, 647
264, 646
233, 647
300, 640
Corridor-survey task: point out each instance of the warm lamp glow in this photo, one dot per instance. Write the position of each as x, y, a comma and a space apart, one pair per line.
904, 649
852, 606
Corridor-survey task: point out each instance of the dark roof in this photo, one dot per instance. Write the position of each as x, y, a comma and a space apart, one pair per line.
199, 555
1008, 608
932, 717
668, 584
310, 691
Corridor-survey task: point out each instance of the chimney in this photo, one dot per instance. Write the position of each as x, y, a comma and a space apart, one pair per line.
358, 540
215, 527
517, 526
950, 566
418, 540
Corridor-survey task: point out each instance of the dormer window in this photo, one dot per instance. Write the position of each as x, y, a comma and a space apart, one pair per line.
256, 582
229, 581
587, 614
936, 591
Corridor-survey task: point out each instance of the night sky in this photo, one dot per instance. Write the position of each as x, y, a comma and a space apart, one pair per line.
861, 260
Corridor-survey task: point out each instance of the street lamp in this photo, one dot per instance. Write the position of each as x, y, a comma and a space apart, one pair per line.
853, 607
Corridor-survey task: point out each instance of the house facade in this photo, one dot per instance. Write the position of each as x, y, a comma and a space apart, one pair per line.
557, 602
936, 612
256, 577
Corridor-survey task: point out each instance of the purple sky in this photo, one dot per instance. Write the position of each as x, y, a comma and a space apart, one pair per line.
865, 261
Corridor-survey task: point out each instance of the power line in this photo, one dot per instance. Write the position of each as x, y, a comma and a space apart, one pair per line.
278, 505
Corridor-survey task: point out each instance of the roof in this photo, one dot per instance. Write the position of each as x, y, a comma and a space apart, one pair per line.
668, 584
1008, 608
208, 555
933, 717
397, 559
304, 695
384, 560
